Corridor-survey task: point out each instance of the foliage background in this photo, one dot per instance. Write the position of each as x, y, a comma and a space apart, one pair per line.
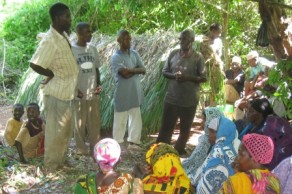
19, 30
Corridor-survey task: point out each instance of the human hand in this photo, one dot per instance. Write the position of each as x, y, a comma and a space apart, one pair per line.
45, 81
79, 94
98, 90
181, 77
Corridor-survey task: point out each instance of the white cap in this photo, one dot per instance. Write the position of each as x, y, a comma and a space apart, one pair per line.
236, 59
251, 55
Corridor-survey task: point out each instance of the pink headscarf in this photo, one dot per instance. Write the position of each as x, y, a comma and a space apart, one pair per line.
107, 153
260, 147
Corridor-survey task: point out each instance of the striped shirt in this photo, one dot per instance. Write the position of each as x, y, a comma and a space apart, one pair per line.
54, 53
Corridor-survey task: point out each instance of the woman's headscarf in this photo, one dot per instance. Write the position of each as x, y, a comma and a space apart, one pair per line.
167, 173
106, 154
211, 113
217, 166
262, 106
260, 147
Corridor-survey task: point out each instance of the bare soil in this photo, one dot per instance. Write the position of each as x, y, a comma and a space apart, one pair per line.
32, 178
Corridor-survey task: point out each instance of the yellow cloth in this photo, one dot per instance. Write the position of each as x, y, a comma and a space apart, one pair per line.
231, 95
11, 130
240, 183
30, 145
168, 176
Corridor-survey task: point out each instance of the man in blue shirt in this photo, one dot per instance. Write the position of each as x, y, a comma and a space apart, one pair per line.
128, 95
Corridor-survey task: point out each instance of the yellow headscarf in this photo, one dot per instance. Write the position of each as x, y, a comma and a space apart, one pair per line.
167, 174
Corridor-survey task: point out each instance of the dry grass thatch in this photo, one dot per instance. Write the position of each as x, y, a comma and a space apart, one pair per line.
153, 49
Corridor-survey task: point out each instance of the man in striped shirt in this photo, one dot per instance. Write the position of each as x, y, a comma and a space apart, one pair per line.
54, 59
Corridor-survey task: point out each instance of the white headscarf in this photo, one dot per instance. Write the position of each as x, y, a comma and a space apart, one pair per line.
214, 123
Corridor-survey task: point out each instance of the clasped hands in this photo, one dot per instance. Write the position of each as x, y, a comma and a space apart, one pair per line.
181, 77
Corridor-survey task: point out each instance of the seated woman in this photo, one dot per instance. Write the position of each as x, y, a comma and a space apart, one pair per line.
256, 114
166, 173
107, 155
30, 139
254, 151
284, 173
280, 131
218, 165
200, 153
234, 82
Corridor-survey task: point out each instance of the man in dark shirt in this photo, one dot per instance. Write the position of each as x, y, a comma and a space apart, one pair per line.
185, 70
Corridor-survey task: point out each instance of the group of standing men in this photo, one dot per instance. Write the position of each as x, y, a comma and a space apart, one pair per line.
69, 90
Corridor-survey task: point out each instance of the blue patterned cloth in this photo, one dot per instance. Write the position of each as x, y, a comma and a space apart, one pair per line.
200, 153
217, 166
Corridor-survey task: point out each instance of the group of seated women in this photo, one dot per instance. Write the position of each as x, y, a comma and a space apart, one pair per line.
255, 160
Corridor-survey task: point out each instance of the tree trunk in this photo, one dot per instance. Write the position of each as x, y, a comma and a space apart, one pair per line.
224, 34
278, 38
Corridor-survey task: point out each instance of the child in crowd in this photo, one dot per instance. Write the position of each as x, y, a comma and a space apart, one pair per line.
13, 125
30, 139
254, 151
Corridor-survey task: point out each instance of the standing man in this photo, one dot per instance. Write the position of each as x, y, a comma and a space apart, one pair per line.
128, 95
87, 102
54, 58
185, 70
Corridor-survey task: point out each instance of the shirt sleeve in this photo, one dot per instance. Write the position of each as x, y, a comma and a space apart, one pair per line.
117, 63
139, 62
8, 134
44, 54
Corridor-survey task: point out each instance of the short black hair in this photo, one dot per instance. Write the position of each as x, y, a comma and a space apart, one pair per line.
57, 9
18, 105
35, 105
81, 25
215, 26
122, 33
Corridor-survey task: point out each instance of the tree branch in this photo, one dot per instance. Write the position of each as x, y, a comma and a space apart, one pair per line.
275, 3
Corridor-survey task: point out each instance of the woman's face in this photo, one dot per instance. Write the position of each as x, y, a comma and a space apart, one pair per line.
243, 161
253, 115
212, 136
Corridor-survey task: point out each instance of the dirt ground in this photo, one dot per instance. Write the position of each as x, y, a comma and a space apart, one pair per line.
32, 178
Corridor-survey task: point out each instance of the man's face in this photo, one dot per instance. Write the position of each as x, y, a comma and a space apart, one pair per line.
64, 21
32, 113
185, 42
125, 41
252, 62
86, 34
243, 160
18, 111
